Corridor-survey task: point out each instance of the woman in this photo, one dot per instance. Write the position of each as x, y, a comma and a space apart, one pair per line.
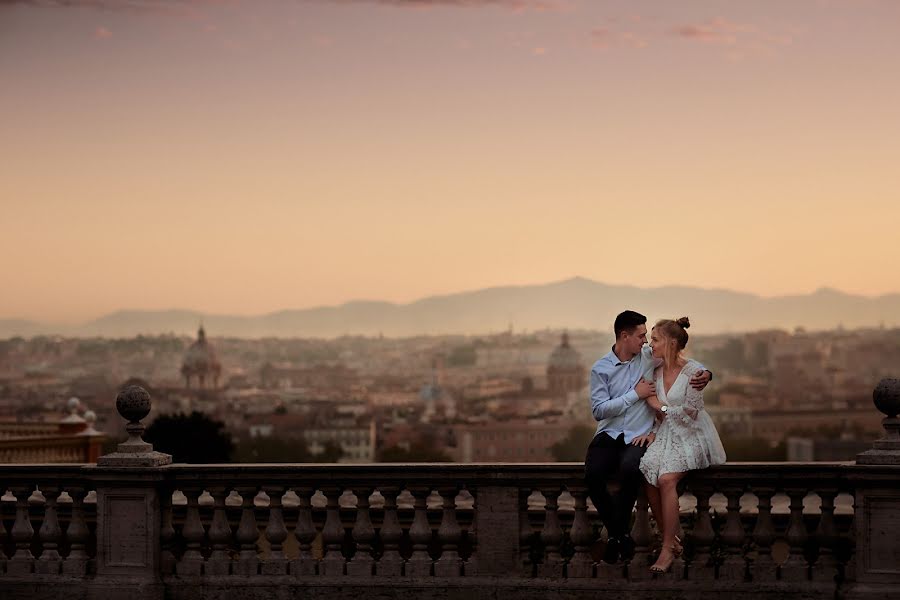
686, 438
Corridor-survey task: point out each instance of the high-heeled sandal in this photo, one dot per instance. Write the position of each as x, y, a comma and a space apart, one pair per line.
657, 569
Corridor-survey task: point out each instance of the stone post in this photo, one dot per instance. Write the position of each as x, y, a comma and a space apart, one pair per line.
129, 519
497, 523
878, 503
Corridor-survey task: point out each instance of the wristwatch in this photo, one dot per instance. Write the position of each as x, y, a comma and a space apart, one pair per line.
664, 408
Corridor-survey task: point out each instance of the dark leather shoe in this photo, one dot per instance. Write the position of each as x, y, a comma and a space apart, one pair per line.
611, 552
626, 547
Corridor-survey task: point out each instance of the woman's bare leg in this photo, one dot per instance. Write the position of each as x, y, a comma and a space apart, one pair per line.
668, 491
654, 500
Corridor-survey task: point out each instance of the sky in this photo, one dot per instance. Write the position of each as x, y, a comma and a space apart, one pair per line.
244, 157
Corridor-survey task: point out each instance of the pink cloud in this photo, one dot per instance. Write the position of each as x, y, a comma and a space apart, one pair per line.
715, 31
740, 40
168, 5
102, 33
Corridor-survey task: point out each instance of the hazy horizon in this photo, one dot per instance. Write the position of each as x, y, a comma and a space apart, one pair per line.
243, 158
176, 308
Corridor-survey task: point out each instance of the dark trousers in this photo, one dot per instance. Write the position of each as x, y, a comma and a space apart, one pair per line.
608, 460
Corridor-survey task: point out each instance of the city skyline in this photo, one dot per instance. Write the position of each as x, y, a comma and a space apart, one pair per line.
243, 158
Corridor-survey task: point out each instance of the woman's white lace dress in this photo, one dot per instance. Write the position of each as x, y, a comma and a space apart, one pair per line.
686, 439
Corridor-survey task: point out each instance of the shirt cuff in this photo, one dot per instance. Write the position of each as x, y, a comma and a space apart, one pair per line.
631, 397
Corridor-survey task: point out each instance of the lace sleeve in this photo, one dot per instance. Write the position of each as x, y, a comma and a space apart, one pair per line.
687, 413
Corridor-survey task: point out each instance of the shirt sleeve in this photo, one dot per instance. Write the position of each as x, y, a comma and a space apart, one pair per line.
602, 405
701, 368
648, 363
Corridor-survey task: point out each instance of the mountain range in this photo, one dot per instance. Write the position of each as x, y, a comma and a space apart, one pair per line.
576, 303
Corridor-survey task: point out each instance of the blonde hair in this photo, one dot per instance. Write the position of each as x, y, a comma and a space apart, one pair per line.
675, 338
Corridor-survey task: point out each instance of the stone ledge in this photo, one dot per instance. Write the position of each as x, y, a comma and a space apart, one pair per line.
401, 588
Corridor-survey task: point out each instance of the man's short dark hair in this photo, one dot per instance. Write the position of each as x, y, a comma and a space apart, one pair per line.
628, 321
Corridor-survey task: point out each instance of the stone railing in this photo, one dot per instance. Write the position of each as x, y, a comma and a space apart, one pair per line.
49, 449
402, 531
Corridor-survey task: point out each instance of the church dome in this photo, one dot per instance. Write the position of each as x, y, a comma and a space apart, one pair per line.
564, 356
200, 360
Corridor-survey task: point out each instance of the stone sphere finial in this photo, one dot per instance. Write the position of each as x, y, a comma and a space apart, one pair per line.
887, 396
73, 404
133, 403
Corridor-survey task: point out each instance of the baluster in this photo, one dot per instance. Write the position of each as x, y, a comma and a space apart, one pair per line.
526, 534
551, 535
167, 533
3, 532
639, 565
419, 564
22, 562
848, 571
734, 565
191, 562
276, 533
362, 564
825, 567
50, 534
305, 532
332, 563
702, 567
449, 535
76, 534
219, 562
581, 565
391, 563
470, 566
764, 568
795, 568
247, 534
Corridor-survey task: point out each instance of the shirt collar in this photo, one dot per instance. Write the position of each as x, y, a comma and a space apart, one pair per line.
615, 359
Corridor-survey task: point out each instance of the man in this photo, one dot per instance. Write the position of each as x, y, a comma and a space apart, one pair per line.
624, 429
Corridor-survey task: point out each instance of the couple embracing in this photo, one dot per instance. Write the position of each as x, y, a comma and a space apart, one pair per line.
651, 430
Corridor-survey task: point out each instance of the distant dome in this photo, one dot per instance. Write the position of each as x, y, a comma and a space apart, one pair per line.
564, 356
200, 361
565, 372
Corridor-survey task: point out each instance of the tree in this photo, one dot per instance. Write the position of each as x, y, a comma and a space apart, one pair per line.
418, 452
193, 438
741, 449
331, 452
462, 356
284, 450
573, 447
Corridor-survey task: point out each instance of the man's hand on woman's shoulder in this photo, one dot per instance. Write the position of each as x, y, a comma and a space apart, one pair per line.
701, 379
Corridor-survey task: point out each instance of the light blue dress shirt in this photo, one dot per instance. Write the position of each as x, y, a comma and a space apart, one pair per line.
614, 403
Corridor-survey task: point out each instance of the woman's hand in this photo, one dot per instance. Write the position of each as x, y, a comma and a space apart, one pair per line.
644, 440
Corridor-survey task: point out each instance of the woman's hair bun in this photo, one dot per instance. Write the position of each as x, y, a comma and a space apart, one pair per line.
684, 322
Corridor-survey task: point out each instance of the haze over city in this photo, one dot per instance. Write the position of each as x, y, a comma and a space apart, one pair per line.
245, 157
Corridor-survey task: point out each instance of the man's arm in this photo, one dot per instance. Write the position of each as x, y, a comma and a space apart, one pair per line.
602, 405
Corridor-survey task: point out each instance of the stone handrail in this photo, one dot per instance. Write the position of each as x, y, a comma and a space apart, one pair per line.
167, 530
47, 449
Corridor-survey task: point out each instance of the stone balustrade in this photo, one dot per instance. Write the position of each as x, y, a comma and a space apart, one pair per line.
747, 526
48, 449
134, 526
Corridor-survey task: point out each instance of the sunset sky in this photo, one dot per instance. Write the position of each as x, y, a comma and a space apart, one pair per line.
244, 157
